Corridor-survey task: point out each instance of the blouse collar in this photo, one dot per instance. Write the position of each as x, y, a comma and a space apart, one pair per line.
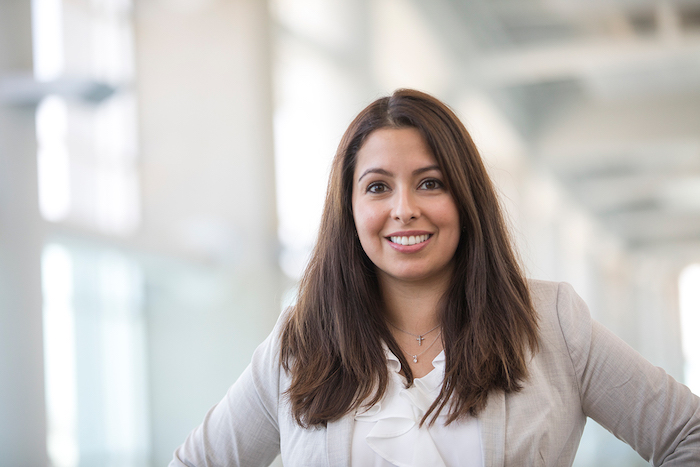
396, 435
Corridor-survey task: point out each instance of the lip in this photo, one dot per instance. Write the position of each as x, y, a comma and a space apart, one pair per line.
409, 233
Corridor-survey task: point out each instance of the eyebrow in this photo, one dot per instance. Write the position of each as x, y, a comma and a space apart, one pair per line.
389, 174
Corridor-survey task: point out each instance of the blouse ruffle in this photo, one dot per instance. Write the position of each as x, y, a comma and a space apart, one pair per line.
396, 435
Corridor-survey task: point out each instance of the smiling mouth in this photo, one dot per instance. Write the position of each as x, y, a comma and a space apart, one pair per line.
412, 240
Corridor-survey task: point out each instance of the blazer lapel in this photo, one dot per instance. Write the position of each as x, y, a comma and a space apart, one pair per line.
493, 430
339, 441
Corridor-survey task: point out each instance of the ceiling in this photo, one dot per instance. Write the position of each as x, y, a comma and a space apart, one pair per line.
606, 92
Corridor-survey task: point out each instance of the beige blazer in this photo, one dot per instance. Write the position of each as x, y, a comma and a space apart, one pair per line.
581, 370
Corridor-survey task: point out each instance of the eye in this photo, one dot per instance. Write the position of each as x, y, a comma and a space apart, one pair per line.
377, 187
431, 184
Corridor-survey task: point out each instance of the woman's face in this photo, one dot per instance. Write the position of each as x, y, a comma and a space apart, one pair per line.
407, 222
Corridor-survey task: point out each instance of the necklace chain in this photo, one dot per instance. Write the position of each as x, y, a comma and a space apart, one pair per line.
419, 337
415, 357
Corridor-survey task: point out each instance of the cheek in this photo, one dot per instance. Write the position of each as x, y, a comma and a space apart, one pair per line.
368, 222
449, 219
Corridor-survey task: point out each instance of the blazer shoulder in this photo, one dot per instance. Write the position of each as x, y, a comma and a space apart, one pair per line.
543, 294
562, 314
547, 293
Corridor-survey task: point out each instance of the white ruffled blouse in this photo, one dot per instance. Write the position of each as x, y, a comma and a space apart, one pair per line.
388, 433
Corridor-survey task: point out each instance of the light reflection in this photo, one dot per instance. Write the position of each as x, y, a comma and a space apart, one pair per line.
95, 358
53, 159
689, 285
47, 36
59, 356
116, 200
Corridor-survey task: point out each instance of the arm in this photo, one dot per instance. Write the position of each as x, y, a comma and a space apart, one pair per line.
242, 429
636, 401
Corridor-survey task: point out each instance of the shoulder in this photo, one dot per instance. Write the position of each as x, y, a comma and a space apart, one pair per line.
549, 294
557, 304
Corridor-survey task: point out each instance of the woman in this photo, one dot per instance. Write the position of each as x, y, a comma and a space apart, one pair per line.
416, 340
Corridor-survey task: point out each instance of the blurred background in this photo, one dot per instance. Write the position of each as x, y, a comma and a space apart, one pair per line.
163, 166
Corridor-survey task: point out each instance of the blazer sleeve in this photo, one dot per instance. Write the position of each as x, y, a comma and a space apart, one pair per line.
242, 429
636, 401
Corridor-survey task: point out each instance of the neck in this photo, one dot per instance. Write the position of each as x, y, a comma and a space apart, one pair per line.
413, 306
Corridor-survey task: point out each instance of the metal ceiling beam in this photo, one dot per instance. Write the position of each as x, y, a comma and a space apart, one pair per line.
582, 59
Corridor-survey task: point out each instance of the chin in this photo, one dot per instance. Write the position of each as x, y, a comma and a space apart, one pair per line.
412, 276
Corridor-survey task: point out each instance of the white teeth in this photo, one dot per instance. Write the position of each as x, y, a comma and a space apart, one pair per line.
412, 240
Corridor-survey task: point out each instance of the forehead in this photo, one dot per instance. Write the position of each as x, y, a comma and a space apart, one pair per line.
396, 147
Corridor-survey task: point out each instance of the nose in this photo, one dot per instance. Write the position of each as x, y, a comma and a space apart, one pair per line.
406, 207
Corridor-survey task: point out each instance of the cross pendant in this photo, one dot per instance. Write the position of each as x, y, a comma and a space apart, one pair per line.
420, 340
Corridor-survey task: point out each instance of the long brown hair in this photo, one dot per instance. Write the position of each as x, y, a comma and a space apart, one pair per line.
332, 340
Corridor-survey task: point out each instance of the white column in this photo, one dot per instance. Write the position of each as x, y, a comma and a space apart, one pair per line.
208, 192
22, 413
